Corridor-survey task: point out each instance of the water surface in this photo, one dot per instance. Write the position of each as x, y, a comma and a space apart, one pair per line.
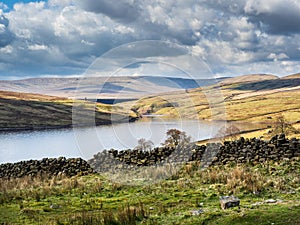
85, 142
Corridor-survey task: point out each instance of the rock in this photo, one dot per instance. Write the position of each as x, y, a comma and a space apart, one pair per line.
256, 192
270, 201
55, 206
257, 203
48, 167
289, 192
196, 212
229, 201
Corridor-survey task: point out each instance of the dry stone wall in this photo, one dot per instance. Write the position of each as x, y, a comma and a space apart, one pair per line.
47, 166
256, 150
240, 151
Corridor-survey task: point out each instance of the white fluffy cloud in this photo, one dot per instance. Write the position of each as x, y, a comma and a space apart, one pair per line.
66, 36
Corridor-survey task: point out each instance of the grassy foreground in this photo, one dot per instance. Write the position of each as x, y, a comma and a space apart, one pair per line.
94, 199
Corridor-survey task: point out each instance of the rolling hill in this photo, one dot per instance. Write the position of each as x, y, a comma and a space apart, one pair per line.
256, 99
249, 98
104, 87
24, 111
248, 78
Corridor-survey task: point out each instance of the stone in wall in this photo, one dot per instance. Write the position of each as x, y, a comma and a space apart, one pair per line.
243, 150
47, 166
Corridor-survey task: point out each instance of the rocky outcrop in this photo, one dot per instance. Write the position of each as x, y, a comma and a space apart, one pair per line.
240, 151
47, 166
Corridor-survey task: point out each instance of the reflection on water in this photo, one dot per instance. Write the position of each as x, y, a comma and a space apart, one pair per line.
85, 142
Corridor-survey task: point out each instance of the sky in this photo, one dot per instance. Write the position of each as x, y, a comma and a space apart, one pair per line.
64, 37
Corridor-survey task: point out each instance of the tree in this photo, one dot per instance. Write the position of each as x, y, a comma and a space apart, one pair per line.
230, 132
144, 145
282, 126
176, 138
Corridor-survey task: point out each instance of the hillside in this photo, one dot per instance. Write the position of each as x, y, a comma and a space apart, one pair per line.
251, 98
108, 87
20, 111
292, 76
262, 174
248, 78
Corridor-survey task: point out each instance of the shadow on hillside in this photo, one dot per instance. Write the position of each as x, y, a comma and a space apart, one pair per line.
268, 84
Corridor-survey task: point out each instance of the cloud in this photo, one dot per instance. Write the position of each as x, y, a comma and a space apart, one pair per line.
36, 47
60, 3
275, 57
66, 36
3, 6
275, 16
6, 36
72, 38
126, 11
6, 50
232, 7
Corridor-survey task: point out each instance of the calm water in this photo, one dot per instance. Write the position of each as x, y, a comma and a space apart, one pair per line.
85, 142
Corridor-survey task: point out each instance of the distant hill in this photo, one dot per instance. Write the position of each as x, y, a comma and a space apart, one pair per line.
108, 87
249, 98
293, 76
261, 82
252, 98
248, 78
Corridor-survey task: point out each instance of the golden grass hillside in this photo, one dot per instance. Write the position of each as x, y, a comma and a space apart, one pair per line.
258, 101
33, 111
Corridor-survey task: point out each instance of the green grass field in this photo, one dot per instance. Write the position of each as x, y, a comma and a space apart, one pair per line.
94, 199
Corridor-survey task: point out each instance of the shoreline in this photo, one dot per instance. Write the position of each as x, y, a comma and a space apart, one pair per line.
58, 127
131, 120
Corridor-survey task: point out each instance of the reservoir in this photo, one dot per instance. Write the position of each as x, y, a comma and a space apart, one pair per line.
85, 142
